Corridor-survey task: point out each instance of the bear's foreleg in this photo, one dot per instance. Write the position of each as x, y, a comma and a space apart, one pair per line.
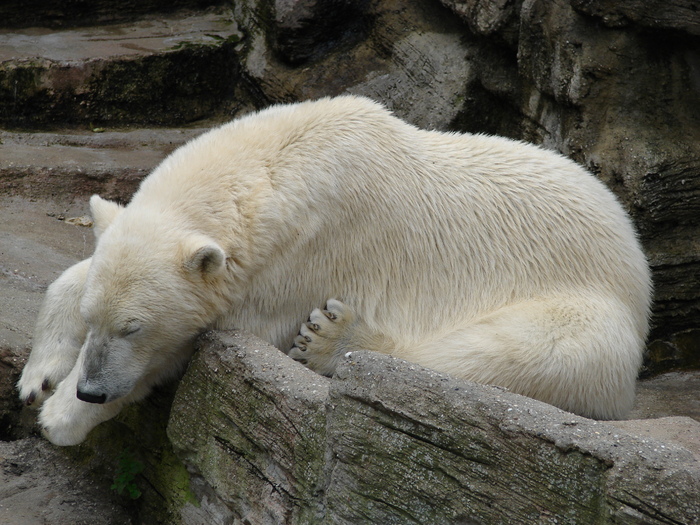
59, 335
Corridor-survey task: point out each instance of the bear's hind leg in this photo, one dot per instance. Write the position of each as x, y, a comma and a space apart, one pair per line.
580, 352
59, 335
329, 334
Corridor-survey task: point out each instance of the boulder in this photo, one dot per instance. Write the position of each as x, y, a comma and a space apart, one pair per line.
261, 449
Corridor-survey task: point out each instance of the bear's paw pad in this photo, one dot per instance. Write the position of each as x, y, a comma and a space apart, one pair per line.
318, 338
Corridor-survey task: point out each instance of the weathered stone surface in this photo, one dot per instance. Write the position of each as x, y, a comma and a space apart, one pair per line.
77, 164
681, 15
680, 430
304, 29
59, 13
412, 446
250, 425
479, 454
500, 18
387, 441
669, 394
410, 56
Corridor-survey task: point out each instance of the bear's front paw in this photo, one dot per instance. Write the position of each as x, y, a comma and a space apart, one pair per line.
39, 379
49, 363
66, 421
320, 342
60, 424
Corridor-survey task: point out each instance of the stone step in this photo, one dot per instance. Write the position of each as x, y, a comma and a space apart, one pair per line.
79, 163
59, 13
155, 71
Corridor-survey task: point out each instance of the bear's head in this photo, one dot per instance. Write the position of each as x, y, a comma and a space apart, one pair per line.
150, 291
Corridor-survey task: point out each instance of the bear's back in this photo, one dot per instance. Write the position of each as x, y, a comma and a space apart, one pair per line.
466, 222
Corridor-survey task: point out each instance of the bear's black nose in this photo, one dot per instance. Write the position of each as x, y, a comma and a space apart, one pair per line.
92, 398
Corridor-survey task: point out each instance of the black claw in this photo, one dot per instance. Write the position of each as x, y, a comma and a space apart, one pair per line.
45, 385
330, 315
30, 398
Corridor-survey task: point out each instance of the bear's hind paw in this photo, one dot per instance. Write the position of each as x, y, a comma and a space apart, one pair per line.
319, 343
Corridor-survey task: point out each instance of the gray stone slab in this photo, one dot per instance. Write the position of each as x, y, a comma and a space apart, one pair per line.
140, 38
159, 70
35, 247
76, 164
404, 444
670, 394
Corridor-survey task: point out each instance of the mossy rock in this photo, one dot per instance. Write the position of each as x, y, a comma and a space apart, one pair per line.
160, 487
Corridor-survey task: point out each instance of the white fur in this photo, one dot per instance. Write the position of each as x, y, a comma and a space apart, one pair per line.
59, 334
486, 258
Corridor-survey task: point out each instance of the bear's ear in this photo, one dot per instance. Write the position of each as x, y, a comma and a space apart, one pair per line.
103, 213
205, 259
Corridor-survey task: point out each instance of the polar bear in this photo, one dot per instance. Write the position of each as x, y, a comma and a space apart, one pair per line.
492, 260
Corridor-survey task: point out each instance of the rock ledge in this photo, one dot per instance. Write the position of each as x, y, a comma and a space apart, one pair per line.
386, 441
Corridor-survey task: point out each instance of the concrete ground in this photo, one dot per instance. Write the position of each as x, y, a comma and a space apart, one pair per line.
41, 235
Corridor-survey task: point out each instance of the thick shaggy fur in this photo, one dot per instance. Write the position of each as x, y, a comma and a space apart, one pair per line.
490, 259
